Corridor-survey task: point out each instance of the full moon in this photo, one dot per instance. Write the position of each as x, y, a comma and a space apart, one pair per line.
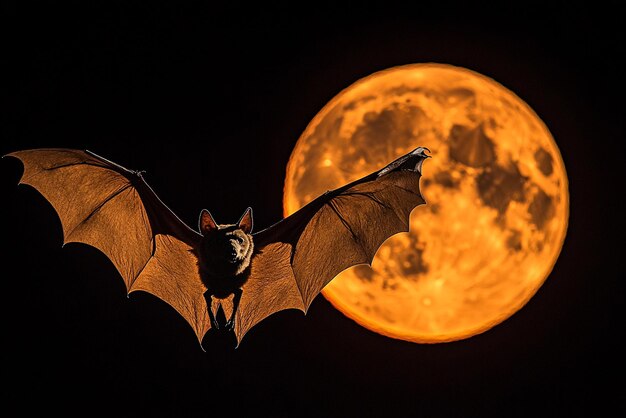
496, 191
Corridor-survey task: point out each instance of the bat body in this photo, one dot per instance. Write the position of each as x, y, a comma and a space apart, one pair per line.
250, 275
224, 257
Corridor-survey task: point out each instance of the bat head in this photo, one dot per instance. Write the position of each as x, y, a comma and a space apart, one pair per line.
226, 248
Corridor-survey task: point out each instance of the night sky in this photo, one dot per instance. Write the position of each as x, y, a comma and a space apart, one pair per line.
210, 102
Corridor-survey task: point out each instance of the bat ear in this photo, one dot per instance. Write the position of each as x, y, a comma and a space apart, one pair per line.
245, 223
206, 222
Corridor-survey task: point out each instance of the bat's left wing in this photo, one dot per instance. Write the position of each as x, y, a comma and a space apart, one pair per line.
296, 257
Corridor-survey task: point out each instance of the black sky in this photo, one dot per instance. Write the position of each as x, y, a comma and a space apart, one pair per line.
210, 101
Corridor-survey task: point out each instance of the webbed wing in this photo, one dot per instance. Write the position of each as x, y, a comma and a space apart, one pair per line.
296, 257
111, 208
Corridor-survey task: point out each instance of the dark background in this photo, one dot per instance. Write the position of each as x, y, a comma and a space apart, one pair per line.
210, 101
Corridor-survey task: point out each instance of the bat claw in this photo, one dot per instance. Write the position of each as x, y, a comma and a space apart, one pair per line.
230, 325
420, 151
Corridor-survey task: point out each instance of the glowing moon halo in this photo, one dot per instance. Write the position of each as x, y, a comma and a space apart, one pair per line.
496, 192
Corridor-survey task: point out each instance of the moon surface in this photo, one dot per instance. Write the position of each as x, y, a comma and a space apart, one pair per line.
496, 191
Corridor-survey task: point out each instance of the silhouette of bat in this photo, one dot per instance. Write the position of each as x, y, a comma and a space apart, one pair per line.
251, 276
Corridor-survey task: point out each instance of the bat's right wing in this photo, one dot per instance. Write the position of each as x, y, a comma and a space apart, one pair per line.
107, 206
295, 258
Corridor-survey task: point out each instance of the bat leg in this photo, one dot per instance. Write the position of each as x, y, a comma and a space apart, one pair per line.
231, 322
209, 304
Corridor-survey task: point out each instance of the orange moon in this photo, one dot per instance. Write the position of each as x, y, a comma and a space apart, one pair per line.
496, 191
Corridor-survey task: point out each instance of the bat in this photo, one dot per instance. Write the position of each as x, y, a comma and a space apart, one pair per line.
248, 275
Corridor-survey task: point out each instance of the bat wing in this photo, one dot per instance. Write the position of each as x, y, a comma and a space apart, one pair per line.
109, 207
296, 257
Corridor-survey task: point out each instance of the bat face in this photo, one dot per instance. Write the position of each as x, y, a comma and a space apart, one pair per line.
228, 245
224, 256
224, 253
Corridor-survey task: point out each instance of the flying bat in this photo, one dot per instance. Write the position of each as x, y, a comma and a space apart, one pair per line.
249, 275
